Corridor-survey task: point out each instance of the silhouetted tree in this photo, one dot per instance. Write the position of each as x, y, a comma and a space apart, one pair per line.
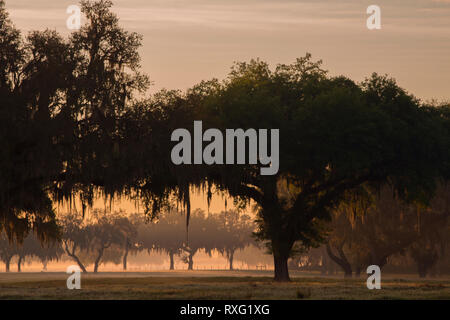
31, 73
7, 250
167, 235
108, 229
30, 247
335, 136
369, 232
432, 232
234, 233
75, 238
62, 115
127, 227
203, 235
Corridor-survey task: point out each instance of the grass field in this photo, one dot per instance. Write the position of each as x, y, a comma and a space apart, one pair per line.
212, 285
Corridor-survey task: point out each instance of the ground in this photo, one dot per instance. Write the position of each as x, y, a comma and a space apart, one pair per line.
214, 285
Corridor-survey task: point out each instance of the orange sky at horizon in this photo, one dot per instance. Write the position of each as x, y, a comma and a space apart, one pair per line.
198, 201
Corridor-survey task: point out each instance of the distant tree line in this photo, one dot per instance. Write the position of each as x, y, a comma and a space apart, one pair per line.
102, 238
30, 248
383, 231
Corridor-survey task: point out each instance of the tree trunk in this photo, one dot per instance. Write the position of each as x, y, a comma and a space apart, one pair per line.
231, 258
74, 256
191, 262
97, 261
19, 262
7, 263
125, 256
326, 263
422, 269
80, 264
281, 268
172, 263
425, 260
358, 272
341, 261
281, 249
383, 261
324, 266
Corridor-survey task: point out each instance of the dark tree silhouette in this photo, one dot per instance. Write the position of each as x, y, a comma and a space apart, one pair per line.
433, 230
127, 227
7, 251
63, 106
203, 235
167, 235
108, 230
335, 136
30, 247
29, 158
235, 233
75, 238
370, 232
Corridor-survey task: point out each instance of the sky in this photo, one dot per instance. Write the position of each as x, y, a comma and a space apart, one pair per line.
189, 41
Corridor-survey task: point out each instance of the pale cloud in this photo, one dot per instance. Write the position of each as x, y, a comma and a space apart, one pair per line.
186, 41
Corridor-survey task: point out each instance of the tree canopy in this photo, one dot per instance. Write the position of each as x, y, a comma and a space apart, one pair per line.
336, 136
